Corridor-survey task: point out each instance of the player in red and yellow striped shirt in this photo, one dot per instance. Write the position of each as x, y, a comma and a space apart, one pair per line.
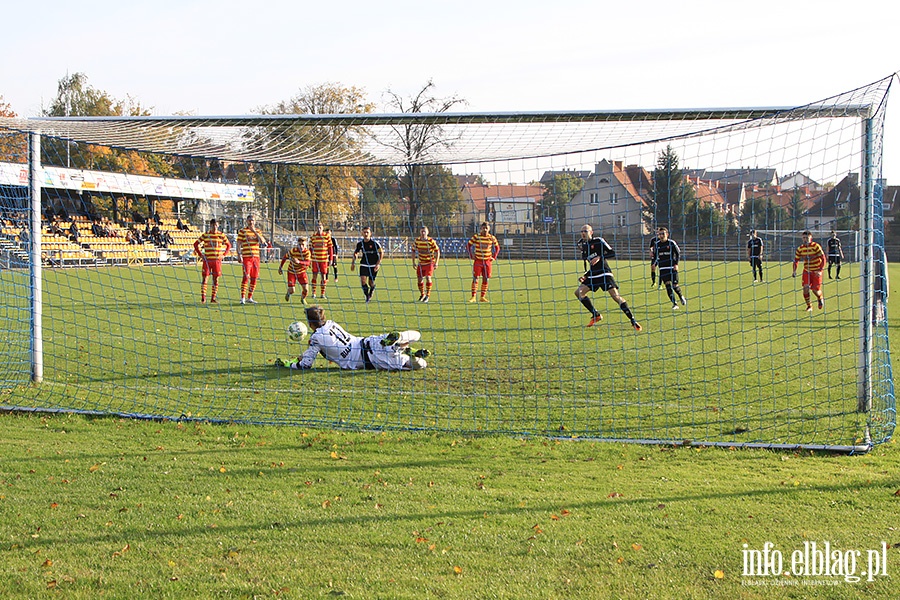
483, 249
212, 246
813, 258
322, 254
298, 259
249, 240
425, 257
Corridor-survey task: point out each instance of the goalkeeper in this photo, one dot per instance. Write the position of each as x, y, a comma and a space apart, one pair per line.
385, 352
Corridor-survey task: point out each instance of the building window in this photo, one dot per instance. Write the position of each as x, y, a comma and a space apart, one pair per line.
613, 197
621, 221
594, 198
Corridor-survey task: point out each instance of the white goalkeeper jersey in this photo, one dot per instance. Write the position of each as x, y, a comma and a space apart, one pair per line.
351, 352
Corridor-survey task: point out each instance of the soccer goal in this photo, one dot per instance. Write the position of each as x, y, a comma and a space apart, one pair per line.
105, 310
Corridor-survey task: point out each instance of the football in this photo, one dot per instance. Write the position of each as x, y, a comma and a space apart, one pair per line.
297, 331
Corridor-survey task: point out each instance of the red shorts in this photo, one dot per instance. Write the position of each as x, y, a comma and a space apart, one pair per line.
813, 279
212, 267
425, 270
295, 278
251, 266
320, 267
482, 268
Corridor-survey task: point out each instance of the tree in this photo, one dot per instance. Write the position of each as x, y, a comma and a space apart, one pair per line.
13, 146
796, 211
762, 213
558, 192
414, 142
672, 196
330, 191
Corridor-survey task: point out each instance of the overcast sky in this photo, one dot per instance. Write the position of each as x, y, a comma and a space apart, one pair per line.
226, 57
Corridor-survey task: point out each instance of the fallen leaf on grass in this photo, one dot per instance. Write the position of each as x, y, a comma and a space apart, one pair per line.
457, 570
123, 550
615, 495
719, 574
47, 563
636, 547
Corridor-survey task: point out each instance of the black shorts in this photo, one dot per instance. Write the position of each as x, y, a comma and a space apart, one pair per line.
755, 261
834, 260
668, 275
370, 272
599, 281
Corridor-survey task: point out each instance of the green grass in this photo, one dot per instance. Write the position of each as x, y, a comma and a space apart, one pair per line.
121, 508
109, 507
743, 363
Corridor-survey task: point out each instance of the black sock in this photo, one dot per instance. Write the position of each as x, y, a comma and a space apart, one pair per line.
371, 290
838, 274
588, 305
627, 311
652, 277
671, 294
365, 290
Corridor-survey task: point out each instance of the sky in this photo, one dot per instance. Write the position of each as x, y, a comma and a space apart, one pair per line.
229, 58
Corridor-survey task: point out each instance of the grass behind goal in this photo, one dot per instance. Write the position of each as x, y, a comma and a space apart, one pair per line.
137, 341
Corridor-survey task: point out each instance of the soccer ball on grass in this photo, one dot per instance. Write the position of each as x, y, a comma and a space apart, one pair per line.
298, 331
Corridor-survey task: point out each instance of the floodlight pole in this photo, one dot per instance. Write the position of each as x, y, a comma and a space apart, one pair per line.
866, 271
34, 181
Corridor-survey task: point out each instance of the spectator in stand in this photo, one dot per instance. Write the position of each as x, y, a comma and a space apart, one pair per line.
181, 226
73, 233
167, 239
129, 237
137, 217
23, 235
98, 230
156, 218
54, 227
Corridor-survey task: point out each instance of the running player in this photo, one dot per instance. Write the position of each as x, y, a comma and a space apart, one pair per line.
370, 253
322, 253
386, 352
425, 257
754, 254
813, 258
334, 253
212, 246
483, 249
667, 256
835, 254
249, 241
298, 259
595, 251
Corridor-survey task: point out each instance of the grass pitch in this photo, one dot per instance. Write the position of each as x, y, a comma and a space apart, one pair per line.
742, 362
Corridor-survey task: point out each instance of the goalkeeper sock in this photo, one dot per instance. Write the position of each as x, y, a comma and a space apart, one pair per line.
365, 289
627, 311
652, 277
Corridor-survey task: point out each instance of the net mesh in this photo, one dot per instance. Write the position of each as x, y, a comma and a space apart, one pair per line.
738, 362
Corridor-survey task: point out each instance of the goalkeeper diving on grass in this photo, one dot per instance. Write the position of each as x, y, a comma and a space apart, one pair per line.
595, 251
385, 352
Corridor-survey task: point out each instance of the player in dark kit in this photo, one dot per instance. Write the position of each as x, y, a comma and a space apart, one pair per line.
652, 248
595, 251
370, 253
754, 254
835, 254
667, 255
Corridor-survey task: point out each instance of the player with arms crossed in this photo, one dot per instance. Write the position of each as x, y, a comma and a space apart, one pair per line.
425, 257
322, 254
212, 246
813, 258
595, 251
386, 352
754, 254
249, 241
835, 254
483, 249
667, 256
298, 259
370, 253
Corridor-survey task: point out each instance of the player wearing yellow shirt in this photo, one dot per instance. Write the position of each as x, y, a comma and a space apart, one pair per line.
212, 246
813, 258
322, 254
425, 257
298, 259
249, 240
483, 250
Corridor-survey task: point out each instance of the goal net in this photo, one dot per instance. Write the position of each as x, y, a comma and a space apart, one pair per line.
102, 285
